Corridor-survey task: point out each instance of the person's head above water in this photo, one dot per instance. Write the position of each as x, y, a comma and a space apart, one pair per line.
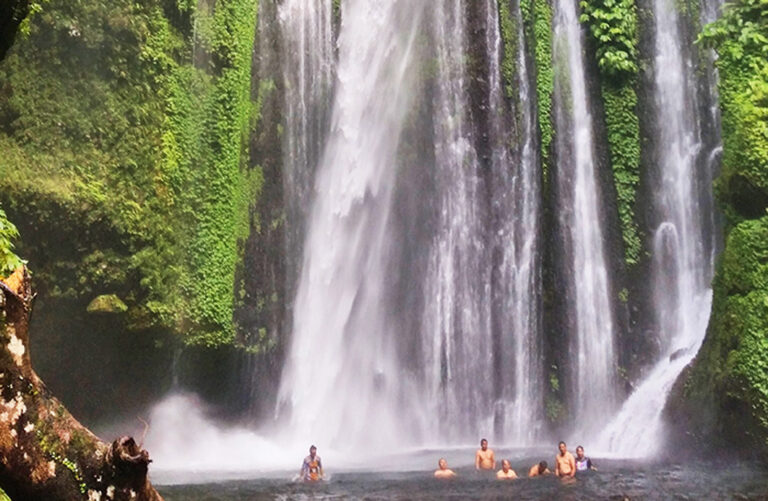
312, 450
442, 464
483, 444
580, 452
542, 467
562, 448
505, 465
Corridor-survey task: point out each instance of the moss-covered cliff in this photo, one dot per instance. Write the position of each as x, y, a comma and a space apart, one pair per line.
725, 391
124, 161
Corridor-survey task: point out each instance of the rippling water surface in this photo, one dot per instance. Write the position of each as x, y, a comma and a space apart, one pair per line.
616, 479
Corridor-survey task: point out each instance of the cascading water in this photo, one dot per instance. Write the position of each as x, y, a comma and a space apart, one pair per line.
308, 64
341, 376
682, 267
456, 323
479, 377
516, 206
592, 344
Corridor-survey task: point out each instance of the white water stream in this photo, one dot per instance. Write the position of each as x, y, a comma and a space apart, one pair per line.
592, 348
341, 378
308, 61
516, 200
682, 270
456, 320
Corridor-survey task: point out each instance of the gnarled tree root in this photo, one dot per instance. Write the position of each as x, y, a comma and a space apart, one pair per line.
45, 453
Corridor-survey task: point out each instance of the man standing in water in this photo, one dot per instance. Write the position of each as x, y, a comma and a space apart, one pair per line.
565, 465
312, 468
506, 472
484, 459
583, 463
443, 471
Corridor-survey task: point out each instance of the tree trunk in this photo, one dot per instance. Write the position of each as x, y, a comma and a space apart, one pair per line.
44, 452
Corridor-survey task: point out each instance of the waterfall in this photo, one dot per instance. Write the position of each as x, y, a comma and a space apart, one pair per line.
341, 378
682, 266
456, 321
482, 263
516, 204
592, 345
308, 64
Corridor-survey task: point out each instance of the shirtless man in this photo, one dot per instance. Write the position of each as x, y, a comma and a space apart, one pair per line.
484, 459
443, 471
506, 472
538, 470
565, 464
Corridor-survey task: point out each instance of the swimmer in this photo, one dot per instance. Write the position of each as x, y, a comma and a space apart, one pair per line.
506, 472
443, 471
312, 467
539, 470
484, 459
565, 465
583, 463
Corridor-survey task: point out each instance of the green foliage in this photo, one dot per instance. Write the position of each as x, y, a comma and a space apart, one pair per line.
127, 122
34, 9
555, 410
509, 35
107, 303
51, 446
733, 363
623, 128
732, 366
740, 37
537, 14
613, 27
613, 24
554, 407
8, 233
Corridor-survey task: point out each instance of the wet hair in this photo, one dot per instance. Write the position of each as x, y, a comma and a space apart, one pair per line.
579, 447
543, 466
312, 447
561, 443
506, 461
441, 460
483, 440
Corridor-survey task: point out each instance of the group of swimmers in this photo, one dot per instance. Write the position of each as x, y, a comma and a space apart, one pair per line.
566, 465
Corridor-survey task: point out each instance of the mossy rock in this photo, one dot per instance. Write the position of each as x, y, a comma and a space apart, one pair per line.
107, 303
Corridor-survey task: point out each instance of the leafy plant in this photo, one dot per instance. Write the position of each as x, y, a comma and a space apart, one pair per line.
8, 233
613, 23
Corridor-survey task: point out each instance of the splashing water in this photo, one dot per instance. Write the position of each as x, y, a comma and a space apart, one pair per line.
341, 378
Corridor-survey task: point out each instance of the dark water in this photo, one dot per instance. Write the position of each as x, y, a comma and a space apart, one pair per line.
616, 480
